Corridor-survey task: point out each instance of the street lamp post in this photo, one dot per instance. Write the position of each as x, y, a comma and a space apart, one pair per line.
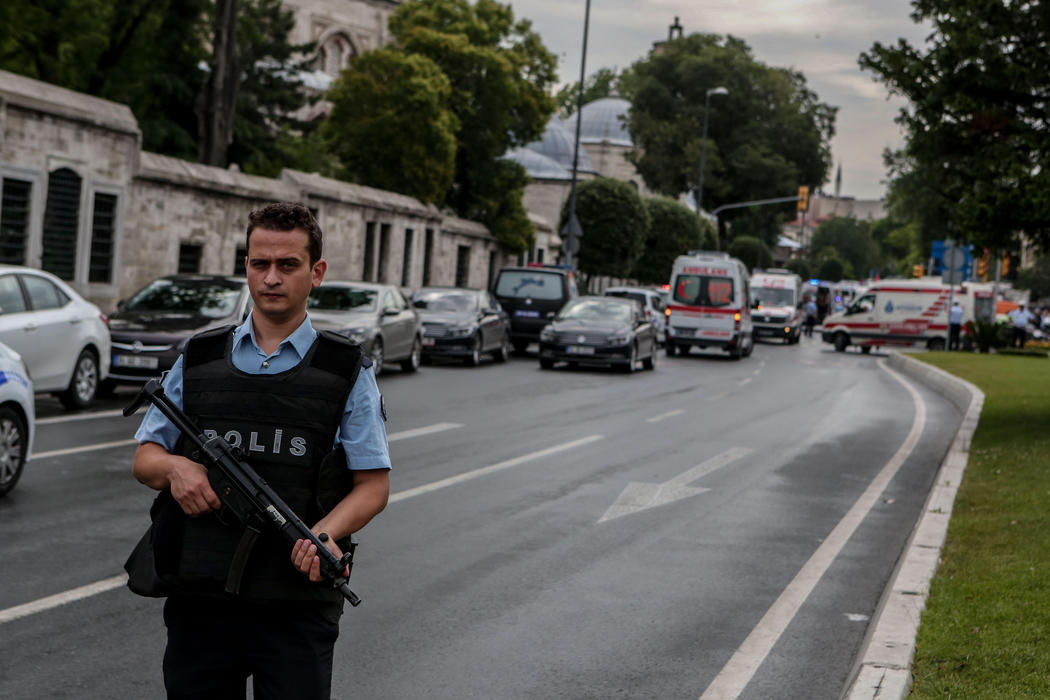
703, 148
572, 231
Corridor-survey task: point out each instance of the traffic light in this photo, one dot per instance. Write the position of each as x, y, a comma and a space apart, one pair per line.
982, 267
917, 270
803, 198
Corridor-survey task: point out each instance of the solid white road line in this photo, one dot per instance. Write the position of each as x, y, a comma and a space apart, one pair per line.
79, 416
499, 466
736, 674
84, 448
662, 416
419, 432
53, 601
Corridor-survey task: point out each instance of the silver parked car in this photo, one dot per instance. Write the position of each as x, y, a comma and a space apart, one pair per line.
63, 338
376, 316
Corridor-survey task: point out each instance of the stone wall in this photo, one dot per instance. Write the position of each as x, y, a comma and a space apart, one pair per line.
163, 205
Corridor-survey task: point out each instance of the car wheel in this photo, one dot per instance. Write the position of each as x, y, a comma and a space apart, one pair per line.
750, 347
841, 342
631, 361
502, 353
411, 363
83, 384
377, 355
13, 436
670, 349
546, 363
937, 344
474, 358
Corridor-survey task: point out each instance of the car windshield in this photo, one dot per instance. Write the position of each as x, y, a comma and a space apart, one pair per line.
210, 298
520, 284
703, 290
342, 299
771, 296
441, 300
595, 310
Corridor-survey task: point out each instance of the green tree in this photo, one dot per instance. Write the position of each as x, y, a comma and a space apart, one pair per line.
615, 224
977, 141
766, 137
673, 231
852, 242
800, 267
1036, 279
500, 75
391, 126
601, 83
830, 268
751, 251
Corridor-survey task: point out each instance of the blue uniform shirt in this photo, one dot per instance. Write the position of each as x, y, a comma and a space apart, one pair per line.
362, 429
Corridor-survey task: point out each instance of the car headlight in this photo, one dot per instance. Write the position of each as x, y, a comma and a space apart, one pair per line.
460, 331
548, 334
619, 339
358, 335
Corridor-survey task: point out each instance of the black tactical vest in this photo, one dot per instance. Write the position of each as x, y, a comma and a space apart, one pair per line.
285, 425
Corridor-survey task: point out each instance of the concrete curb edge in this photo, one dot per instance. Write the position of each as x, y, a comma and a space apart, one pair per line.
883, 667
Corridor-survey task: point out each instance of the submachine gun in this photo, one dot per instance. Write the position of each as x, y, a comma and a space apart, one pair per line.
244, 494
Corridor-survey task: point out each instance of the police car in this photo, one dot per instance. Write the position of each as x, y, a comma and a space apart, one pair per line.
16, 417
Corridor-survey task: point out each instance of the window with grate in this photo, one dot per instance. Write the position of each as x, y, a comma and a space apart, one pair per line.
238, 261
428, 254
370, 246
462, 266
406, 261
190, 258
59, 255
384, 247
14, 220
103, 233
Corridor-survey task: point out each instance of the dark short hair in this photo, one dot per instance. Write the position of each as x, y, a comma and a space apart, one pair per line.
287, 216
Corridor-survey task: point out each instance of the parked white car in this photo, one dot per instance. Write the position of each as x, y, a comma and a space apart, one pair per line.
16, 417
63, 339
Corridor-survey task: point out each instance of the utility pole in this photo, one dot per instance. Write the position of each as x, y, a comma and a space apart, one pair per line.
572, 230
218, 96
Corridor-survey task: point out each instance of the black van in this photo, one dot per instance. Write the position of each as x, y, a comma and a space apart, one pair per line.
531, 296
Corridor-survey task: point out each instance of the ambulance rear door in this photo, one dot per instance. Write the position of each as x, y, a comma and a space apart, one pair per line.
702, 302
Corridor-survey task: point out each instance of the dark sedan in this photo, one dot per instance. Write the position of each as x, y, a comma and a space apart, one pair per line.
462, 323
599, 331
151, 328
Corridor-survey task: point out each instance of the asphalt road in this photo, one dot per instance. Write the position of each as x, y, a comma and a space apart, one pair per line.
708, 527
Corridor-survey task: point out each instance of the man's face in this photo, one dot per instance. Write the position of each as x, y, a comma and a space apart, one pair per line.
279, 272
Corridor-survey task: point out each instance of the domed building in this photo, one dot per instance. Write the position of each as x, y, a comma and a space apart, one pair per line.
604, 135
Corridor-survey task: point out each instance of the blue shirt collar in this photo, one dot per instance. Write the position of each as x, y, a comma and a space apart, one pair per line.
301, 338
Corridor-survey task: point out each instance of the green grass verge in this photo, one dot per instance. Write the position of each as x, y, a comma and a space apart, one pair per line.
986, 629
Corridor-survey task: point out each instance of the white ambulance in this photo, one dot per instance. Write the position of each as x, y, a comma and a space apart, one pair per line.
903, 313
776, 305
708, 305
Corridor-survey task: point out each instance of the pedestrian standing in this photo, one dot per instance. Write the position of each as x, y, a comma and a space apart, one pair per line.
955, 316
1021, 318
294, 400
810, 310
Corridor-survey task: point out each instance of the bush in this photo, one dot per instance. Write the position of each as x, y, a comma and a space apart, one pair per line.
615, 223
988, 334
751, 251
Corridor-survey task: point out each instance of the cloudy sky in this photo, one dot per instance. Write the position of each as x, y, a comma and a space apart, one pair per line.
821, 38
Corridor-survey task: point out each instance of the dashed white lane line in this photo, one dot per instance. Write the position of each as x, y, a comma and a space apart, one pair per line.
53, 601
84, 448
718, 397
79, 416
746, 380
498, 466
734, 677
662, 416
419, 432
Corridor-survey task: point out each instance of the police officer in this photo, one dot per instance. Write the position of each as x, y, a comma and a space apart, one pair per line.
287, 395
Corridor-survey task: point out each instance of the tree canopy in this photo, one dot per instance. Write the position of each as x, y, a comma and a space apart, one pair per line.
391, 126
751, 251
615, 223
673, 231
766, 137
978, 149
851, 240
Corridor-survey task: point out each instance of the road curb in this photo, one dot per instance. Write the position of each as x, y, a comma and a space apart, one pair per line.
883, 668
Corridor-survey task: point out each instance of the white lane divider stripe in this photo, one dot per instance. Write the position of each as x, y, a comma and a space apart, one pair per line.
84, 448
54, 601
419, 432
499, 466
735, 675
79, 416
662, 416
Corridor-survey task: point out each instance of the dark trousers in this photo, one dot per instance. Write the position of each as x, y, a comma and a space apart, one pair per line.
214, 645
1020, 337
953, 335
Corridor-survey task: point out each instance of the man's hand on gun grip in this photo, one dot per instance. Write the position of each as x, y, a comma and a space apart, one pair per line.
307, 561
190, 487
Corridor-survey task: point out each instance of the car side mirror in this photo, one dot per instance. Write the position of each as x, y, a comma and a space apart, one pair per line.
390, 311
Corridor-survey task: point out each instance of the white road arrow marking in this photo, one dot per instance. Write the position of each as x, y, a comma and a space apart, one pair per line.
637, 496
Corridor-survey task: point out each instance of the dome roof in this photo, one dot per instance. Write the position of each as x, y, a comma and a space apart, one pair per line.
539, 166
603, 122
557, 144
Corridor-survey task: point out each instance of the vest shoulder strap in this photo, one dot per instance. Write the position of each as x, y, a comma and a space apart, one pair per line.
206, 346
339, 355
